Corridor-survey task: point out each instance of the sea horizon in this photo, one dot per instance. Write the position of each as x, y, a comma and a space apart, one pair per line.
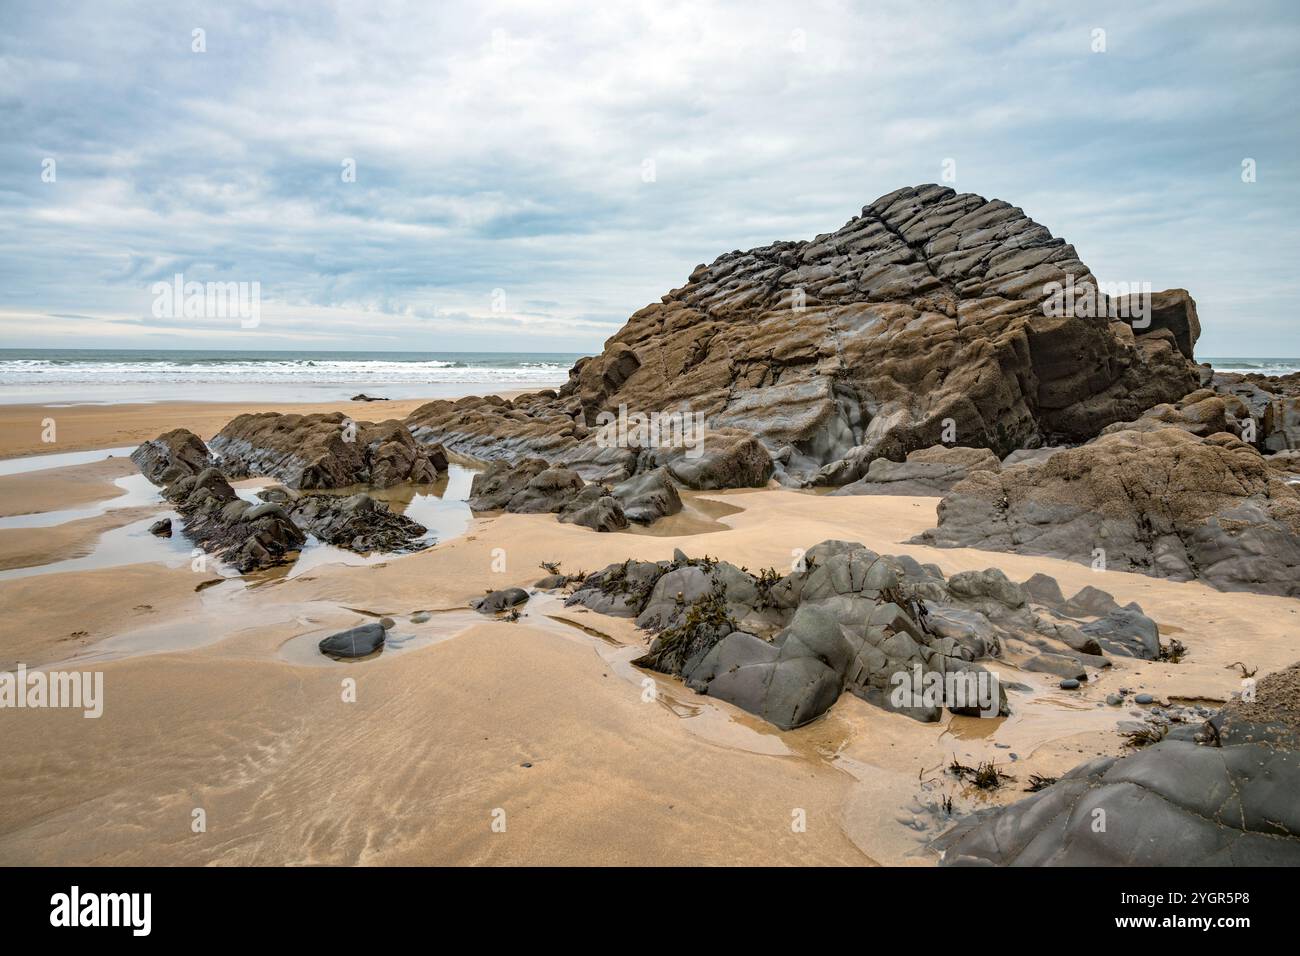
135, 375
114, 376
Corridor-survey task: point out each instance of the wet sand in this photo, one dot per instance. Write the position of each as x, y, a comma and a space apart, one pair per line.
216, 700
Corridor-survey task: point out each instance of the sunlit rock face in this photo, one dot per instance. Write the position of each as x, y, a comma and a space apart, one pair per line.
931, 318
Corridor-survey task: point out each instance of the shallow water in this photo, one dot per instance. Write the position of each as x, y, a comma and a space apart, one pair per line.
440, 507
138, 492
129, 544
20, 466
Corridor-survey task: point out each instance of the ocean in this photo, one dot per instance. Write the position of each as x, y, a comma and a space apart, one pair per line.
108, 376
68, 376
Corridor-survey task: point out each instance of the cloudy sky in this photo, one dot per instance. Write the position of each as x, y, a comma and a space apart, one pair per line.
582, 158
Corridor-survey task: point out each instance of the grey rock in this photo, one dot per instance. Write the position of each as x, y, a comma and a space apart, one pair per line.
356, 642
501, 600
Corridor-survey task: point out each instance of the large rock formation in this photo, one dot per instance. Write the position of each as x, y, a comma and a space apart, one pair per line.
1219, 795
324, 451
932, 316
1162, 502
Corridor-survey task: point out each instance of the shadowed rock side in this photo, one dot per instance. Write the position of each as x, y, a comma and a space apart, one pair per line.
1163, 502
324, 451
1220, 795
786, 647
859, 344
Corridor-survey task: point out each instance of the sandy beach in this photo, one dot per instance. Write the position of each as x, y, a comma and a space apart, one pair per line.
87, 427
216, 700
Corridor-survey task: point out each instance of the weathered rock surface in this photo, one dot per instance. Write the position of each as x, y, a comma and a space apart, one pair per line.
172, 455
324, 451
929, 471
246, 536
1223, 795
928, 312
1163, 502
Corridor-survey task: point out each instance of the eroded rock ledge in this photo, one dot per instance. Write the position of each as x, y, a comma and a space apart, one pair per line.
1223, 794
1161, 501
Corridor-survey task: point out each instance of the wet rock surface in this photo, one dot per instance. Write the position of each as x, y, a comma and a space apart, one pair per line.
358, 523
359, 641
785, 647
1221, 793
494, 602
248, 537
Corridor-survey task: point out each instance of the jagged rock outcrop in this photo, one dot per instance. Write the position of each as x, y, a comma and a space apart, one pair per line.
785, 647
928, 313
1162, 502
1219, 795
358, 523
172, 455
530, 486
246, 536
1271, 401
929, 471
326, 450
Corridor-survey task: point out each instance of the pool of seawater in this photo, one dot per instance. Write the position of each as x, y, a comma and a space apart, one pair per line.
138, 491
441, 507
18, 466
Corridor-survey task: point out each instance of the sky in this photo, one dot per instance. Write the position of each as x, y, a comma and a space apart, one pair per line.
527, 175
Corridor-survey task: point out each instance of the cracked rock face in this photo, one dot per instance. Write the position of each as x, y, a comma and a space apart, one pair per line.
1221, 796
172, 455
324, 451
1162, 502
924, 311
